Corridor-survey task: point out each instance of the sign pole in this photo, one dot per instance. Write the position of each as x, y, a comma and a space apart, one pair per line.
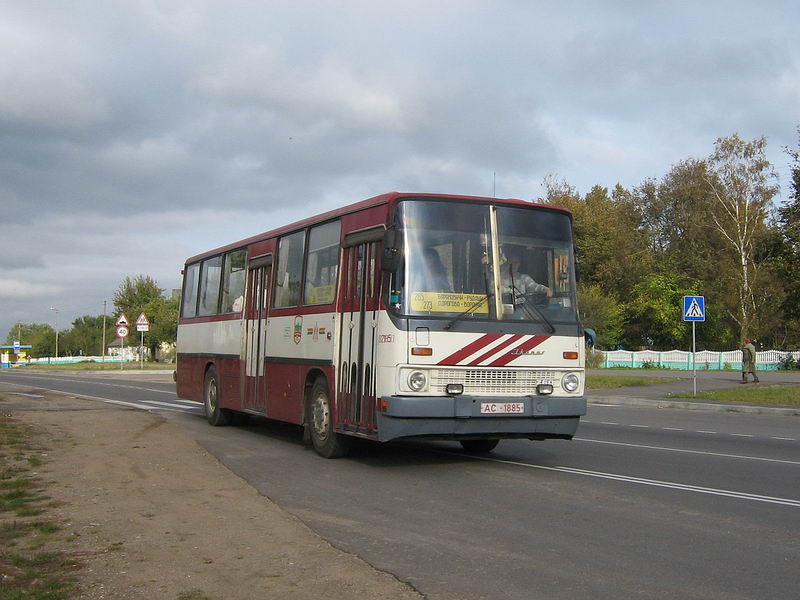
141, 351
694, 359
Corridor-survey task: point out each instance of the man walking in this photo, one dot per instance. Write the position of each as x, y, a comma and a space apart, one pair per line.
748, 360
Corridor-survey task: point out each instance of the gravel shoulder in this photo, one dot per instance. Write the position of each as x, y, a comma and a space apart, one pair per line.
150, 514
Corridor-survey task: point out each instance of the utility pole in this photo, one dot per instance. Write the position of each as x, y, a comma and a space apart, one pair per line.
104, 332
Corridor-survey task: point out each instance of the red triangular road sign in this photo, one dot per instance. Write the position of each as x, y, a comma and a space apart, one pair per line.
123, 320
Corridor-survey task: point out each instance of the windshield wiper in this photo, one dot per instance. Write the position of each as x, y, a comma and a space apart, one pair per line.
475, 305
526, 299
470, 309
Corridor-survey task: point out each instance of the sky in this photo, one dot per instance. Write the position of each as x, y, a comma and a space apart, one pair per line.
137, 133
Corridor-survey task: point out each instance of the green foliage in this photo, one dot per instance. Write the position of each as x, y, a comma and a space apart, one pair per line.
603, 313
653, 315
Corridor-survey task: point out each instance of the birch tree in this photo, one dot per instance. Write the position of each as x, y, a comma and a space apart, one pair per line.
743, 183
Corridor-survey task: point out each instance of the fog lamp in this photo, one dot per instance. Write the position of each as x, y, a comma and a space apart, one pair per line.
544, 389
454, 389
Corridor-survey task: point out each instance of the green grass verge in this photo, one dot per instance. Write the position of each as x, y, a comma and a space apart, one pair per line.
604, 382
760, 394
28, 570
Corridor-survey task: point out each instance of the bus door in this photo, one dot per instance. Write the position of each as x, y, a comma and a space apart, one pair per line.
356, 368
255, 324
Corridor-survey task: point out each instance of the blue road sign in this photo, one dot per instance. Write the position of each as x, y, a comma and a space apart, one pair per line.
694, 308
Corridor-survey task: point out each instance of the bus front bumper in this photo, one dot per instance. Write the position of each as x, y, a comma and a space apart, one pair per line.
472, 417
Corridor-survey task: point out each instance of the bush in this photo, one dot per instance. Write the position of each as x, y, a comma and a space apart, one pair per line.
788, 363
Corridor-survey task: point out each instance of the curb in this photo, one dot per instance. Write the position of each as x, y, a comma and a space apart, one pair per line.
689, 405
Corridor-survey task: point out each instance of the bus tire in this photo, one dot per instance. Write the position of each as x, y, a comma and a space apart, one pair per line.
325, 440
479, 446
216, 415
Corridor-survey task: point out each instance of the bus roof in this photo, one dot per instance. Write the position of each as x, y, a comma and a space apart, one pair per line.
388, 198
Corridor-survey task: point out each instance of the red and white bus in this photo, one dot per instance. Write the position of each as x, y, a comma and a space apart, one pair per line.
402, 316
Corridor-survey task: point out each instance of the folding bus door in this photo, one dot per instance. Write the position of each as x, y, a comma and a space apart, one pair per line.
255, 338
356, 368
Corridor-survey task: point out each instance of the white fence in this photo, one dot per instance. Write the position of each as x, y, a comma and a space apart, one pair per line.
767, 360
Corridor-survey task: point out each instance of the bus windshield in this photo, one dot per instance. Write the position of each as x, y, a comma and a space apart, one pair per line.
484, 262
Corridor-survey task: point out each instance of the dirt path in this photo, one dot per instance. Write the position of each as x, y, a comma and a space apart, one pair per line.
153, 515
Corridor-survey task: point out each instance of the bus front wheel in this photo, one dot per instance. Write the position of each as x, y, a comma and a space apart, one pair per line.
216, 416
325, 440
479, 446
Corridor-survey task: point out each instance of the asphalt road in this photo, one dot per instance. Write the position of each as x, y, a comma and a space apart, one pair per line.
645, 502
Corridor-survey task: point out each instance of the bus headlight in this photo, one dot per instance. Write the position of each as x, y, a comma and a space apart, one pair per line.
417, 381
570, 382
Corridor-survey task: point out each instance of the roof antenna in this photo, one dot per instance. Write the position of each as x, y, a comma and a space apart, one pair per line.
494, 184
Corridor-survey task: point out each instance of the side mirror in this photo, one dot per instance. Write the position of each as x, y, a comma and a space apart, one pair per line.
391, 254
590, 335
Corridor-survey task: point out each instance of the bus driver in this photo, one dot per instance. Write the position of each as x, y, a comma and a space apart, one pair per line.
519, 288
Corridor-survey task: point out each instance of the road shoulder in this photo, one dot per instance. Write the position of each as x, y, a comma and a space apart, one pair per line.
153, 515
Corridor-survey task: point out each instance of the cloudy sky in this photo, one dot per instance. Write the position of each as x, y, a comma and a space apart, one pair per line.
134, 134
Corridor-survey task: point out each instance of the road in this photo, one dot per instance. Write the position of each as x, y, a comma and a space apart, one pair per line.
645, 502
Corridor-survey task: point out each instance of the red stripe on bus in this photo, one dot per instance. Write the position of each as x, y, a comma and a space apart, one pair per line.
470, 349
519, 350
495, 350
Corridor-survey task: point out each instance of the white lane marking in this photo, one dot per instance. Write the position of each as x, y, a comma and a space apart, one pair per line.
673, 429
701, 431
742, 434
705, 453
785, 438
641, 426
169, 404
172, 407
641, 481
608, 423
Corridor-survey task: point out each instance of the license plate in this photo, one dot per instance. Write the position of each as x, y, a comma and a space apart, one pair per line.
502, 408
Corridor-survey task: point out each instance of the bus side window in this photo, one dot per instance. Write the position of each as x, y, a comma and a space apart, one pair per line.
209, 286
289, 271
323, 264
189, 298
233, 281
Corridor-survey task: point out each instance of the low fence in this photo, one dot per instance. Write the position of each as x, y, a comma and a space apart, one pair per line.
767, 360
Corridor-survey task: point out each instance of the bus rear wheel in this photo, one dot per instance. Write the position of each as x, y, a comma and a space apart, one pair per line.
216, 415
479, 446
325, 440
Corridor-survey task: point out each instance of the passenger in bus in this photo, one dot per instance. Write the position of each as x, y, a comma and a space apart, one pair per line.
519, 288
434, 276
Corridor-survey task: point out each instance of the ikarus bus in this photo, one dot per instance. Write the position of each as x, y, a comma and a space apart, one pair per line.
403, 316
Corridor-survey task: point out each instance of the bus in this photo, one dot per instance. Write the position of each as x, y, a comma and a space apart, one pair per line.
426, 316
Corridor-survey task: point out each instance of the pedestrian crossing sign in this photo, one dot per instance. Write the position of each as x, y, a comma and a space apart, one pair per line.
694, 308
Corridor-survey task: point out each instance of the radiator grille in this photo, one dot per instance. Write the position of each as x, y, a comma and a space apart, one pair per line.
492, 382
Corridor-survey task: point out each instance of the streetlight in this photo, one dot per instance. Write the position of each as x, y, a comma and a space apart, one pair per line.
55, 309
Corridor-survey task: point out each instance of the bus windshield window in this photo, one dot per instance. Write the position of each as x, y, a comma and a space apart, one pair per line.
536, 264
450, 262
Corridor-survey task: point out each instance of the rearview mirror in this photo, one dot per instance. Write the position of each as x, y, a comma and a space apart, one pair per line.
391, 254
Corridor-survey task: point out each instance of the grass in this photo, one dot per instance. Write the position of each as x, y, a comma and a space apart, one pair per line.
100, 366
603, 382
28, 571
760, 394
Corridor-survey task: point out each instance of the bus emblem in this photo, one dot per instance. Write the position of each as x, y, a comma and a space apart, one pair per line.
298, 329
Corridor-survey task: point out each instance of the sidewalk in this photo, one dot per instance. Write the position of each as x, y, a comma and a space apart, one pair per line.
663, 395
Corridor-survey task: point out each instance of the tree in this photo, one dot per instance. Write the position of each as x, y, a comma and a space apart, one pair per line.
142, 295
39, 335
741, 180
133, 295
789, 231
86, 336
612, 247
654, 313
603, 313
